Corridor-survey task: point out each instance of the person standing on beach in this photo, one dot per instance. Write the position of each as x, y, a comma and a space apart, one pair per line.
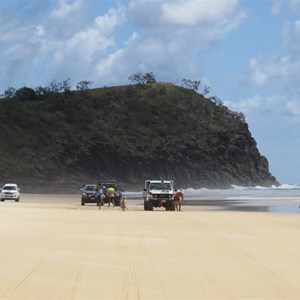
111, 195
178, 199
124, 204
99, 197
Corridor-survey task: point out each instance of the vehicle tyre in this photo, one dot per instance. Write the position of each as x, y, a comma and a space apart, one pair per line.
17, 200
82, 202
145, 205
172, 205
150, 205
2, 199
168, 206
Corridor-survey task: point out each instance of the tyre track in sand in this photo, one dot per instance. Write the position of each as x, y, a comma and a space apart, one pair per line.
23, 277
129, 282
142, 277
279, 287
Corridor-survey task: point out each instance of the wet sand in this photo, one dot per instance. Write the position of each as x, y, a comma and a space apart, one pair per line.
54, 248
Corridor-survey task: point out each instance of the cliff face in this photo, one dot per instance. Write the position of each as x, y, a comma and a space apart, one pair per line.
129, 134
235, 161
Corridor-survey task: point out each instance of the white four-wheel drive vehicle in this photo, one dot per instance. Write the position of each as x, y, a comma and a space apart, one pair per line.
158, 193
10, 191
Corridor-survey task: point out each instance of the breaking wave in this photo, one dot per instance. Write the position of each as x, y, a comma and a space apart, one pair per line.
283, 186
288, 191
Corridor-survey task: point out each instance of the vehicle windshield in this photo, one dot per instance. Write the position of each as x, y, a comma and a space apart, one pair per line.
160, 186
9, 188
90, 188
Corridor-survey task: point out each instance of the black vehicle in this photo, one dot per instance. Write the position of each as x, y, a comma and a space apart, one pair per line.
105, 185
88, 193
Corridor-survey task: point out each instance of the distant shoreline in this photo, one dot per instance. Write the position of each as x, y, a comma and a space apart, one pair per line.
270, 205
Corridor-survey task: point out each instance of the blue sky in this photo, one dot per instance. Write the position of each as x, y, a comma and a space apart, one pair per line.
247, 52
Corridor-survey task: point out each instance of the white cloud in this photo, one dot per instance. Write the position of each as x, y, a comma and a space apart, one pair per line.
78, 56
280, 7
194, 12
62, 44
66, 19
297, 27
111, 67
184, 12
208, 20
167, 39
65, 9
246, 106
275, 8
278, 70
257, 76
277, 109
281, 68
294, 107
68, 44
107, 24
39, 31
293, 6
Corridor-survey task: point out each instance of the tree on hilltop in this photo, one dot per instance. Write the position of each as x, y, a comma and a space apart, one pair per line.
83, 85
191, 84
142, 78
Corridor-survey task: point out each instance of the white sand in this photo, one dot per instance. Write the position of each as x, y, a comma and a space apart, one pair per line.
53, 248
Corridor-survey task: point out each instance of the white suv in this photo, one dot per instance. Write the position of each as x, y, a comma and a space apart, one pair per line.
10, 191
158, 193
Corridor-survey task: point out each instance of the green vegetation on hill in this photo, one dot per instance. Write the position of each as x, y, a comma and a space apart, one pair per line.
129, 133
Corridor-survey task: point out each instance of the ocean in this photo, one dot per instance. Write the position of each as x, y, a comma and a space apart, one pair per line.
277, 199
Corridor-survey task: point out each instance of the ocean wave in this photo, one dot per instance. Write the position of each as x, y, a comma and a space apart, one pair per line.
284, 186
288, 189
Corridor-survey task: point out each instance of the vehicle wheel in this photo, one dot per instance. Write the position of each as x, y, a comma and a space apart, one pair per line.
2, 199
145, 205
17, 200
172, 205
82, 202
168, 205
150, 205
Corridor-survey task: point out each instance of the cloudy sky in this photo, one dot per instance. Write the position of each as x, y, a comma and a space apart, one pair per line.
247, 52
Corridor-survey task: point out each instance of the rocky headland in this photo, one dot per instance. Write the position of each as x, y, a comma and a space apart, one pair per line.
55, 142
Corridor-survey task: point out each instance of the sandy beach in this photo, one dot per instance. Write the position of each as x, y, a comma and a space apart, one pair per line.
54, 248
